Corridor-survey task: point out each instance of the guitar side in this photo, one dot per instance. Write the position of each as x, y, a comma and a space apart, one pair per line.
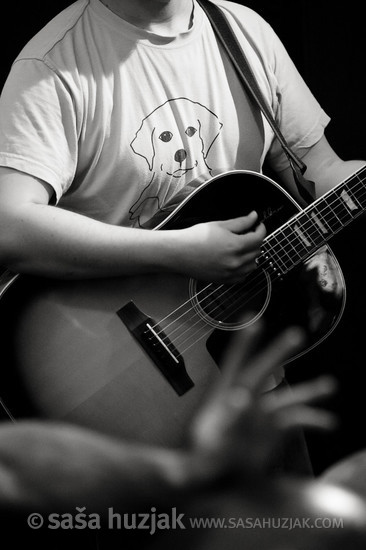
80, 361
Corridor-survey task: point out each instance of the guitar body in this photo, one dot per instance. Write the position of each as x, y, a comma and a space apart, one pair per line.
78, 349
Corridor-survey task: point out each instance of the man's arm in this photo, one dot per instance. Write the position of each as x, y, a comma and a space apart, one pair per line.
57, 467
38, 238
324, 167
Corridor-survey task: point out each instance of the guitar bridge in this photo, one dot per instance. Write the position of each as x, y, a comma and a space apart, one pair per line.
158, 346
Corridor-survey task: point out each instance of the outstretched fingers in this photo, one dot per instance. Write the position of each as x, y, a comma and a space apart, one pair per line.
238, 355
307, 417
264, 363
293, 406
304, 393
245, 367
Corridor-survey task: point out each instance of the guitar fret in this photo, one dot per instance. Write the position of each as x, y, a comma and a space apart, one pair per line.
270, 259
328, 212
275, 252
320, 221
359, 192
282, 251
306, 234
342, 214
312, 227
349, 201
296, 242
356, 198
288, 247
345, 207
336, 218
288, 244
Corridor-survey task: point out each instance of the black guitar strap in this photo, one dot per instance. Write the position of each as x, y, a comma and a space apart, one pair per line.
228, 39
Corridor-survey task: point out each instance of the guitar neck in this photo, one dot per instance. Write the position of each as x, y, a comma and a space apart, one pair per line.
311, 228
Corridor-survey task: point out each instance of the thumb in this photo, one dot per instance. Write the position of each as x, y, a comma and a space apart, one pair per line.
242, 224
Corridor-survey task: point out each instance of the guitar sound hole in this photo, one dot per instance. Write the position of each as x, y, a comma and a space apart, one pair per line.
232, 307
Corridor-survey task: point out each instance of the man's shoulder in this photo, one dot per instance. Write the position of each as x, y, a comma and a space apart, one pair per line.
249, 24
54, 31
244, 13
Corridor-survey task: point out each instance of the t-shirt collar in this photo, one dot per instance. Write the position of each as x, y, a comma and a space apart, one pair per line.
143, 35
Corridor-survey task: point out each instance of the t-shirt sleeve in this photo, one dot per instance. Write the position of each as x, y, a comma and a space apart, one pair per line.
297, 112
38, 130
299, 115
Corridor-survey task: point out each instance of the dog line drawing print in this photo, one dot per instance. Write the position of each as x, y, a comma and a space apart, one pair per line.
174, 139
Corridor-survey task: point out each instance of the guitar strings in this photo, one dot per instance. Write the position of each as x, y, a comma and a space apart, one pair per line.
200, 304
156, 326
324, 211
163, 333
240, 286
312, 230
339, 217
312, 226
191, 327
230, 311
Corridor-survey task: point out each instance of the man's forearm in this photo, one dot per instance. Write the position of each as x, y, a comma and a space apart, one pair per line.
56, 468
46, 240
49, 241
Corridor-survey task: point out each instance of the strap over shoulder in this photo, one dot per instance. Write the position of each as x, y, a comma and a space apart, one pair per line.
235, 52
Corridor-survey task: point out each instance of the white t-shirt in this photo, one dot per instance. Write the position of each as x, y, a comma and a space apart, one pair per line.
118, 119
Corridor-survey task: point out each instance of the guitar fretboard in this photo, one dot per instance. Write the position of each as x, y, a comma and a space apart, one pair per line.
311, 228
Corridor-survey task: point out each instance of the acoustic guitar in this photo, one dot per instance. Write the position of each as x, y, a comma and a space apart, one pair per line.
135, 356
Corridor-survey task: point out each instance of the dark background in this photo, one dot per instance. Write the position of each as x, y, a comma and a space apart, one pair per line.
327, 42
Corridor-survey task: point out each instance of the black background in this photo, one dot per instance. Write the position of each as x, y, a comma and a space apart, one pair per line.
327, 42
